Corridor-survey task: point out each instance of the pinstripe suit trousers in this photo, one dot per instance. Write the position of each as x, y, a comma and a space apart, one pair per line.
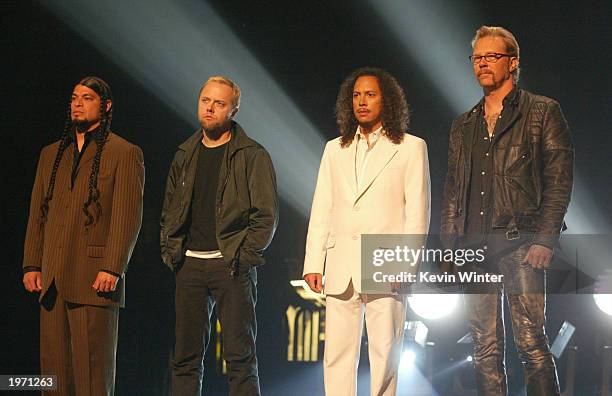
78, 343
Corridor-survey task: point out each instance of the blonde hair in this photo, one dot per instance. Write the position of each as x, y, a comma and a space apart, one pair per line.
224, 80
512, 46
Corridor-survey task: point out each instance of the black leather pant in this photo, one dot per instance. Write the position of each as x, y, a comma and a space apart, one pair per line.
525, 291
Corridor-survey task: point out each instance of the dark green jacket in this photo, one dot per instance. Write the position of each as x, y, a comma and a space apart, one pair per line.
246, 203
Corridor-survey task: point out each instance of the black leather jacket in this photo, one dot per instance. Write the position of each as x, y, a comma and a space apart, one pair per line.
246, 201
533, 171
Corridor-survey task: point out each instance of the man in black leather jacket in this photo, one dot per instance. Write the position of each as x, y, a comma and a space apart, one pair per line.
220, 212
507, 189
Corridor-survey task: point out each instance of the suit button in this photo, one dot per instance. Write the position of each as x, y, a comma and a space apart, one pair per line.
355, 237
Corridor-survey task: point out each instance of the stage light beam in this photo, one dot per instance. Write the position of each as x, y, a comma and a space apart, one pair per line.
172, 47
435, 35
407, 360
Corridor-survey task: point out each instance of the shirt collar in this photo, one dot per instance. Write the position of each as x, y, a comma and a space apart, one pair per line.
373, 136
512, 98
89, 136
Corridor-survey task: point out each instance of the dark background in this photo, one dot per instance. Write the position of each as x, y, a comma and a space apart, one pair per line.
308, 48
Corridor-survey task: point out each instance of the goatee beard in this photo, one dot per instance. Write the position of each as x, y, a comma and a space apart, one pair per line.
215, 133
81, 126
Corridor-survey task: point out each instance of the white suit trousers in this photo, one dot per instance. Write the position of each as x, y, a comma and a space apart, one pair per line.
344, 316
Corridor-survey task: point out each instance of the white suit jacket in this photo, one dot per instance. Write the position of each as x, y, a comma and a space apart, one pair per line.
394, 198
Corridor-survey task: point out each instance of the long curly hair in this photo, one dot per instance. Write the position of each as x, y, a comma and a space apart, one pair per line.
395, 111
100, 87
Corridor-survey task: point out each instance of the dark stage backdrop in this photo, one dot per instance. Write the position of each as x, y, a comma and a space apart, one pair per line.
308, 48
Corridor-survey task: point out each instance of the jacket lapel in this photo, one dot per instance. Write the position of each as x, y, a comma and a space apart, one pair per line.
378, 159
347, 161
468, 127
89, 154
187, 179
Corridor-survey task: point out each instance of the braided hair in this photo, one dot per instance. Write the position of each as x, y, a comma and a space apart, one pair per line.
93, 194
44, 207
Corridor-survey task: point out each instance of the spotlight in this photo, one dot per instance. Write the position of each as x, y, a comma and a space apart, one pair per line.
433, 306
469, 359
604, 302
407, 359
177, 78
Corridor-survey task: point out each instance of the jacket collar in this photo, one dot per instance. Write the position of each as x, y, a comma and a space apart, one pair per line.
471, 117
238, 141
512, 99
89, 152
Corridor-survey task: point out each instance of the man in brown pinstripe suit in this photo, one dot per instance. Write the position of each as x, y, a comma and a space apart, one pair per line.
85, 215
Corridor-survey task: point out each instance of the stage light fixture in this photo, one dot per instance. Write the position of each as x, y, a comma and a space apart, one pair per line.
604, 303
433, 306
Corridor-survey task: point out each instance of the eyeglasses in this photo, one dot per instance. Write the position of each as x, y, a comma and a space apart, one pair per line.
491, 57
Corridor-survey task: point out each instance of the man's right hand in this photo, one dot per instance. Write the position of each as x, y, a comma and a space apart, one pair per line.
315, 282
32, 281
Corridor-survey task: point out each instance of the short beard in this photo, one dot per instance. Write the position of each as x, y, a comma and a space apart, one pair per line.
81, 126
216, 131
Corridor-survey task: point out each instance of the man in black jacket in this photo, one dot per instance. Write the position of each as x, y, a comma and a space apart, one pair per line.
508, 186
220, 212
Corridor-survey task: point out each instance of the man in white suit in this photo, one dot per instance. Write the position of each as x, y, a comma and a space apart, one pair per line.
373, 179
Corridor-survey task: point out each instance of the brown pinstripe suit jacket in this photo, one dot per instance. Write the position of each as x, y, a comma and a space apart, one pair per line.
70, 253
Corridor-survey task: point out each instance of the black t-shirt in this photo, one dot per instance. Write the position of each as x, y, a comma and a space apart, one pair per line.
202, 236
